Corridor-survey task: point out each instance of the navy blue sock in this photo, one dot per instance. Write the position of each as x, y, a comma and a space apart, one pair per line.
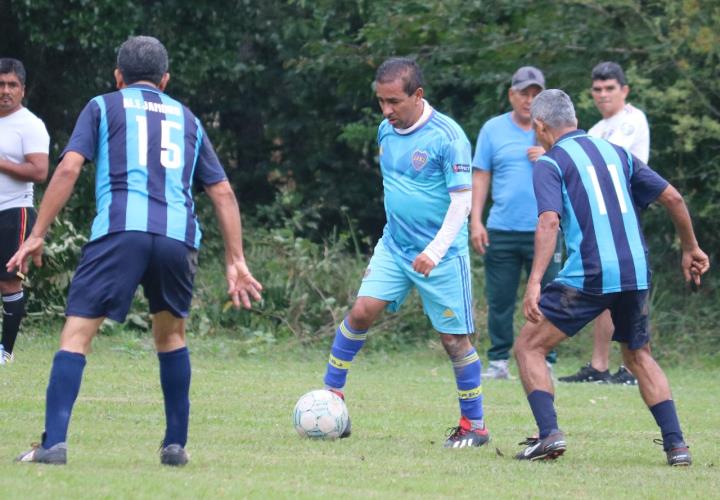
175, 381
543, 408
667, 419
62, 391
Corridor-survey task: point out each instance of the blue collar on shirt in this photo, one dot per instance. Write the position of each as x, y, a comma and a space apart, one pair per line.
574, 133
145, 86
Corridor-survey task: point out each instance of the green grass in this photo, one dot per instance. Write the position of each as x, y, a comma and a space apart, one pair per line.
242, 442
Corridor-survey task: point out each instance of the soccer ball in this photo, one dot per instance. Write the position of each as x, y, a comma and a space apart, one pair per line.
320, 414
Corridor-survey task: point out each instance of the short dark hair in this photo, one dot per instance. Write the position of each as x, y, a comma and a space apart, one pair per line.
142, 58
10, 65
609, 70
402, 68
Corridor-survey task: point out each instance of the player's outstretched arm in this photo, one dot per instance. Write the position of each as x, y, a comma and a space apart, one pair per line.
57, 194
694, 262
242, 286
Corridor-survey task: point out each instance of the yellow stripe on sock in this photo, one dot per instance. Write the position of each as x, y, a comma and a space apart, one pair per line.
350, 335
339, 363
471, 393
467, 360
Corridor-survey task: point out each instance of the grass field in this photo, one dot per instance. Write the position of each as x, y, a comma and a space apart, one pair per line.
242, 442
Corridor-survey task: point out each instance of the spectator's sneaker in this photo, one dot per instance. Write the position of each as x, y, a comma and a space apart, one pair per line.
55, 455
543, 449
623, 377
174, 455
587, 374
497, 369
463, 436
678, 455
5, 357
348, 428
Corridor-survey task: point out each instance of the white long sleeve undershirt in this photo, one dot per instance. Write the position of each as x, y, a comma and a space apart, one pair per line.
457, 214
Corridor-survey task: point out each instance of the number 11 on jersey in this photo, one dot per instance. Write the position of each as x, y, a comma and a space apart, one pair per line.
612, 169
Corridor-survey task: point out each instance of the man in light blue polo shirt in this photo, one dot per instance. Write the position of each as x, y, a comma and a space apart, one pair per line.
505, 152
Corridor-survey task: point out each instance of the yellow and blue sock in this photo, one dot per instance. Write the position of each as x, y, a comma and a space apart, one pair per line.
175, 376
542, 404
467, 377
62, 391
346, 345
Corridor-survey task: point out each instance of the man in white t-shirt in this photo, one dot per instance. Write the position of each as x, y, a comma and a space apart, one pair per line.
625, 125
24, 145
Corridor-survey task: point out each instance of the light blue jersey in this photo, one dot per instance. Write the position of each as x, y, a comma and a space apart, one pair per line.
419, 171
502, 150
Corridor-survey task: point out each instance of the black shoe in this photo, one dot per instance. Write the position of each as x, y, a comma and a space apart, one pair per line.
678, 455
623, 377
174, 455
463, 436
348, 428
543, 449
587, 374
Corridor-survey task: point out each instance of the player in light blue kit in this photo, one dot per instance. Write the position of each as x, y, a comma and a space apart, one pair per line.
425, 162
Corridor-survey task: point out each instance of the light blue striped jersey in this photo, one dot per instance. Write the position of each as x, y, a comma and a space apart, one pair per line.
598, 189
419, 171
148, 151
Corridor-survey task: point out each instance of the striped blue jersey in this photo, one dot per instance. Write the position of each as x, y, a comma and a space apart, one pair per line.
419, 170
148, 151
598, 189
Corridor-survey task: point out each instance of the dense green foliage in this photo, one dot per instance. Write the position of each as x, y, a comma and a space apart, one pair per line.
283, 87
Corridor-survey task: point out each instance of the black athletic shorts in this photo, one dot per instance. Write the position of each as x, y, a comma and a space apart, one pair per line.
15, 226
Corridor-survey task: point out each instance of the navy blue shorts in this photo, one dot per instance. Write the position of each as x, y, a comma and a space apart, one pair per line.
112, 267
570, 309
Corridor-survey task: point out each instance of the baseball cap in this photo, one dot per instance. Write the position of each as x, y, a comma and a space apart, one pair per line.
526, 76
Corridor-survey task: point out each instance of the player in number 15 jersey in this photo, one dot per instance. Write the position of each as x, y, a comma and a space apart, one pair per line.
149, 150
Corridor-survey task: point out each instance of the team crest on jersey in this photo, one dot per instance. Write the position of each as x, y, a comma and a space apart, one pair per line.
627, 128
419, 159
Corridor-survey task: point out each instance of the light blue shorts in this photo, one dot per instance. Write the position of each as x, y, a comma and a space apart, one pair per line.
446, 294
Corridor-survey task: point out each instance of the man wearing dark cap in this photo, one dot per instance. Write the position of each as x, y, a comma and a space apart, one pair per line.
505, 152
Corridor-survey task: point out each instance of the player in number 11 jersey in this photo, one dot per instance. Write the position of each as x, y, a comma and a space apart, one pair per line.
595, 190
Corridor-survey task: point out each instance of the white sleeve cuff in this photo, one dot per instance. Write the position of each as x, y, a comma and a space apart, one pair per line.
455, 219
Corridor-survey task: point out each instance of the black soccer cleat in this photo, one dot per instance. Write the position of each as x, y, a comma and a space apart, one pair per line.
678, 455
463, 436
548, 448
348, 428
587, 374
174, 455
622, 377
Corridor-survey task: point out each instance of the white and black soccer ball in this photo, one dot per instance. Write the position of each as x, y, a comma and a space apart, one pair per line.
320, 414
